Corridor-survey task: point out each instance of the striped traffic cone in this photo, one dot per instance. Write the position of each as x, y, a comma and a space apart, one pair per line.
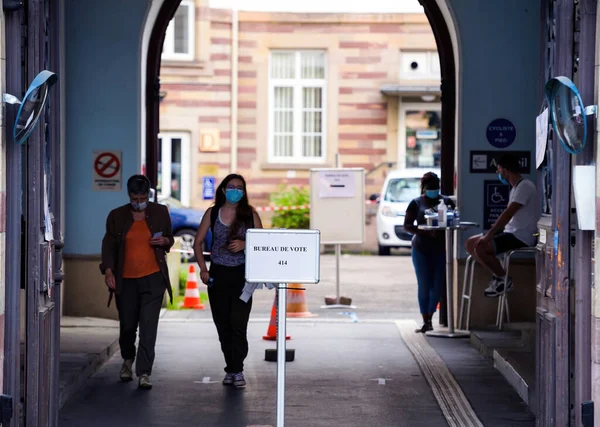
272, 329
192, 294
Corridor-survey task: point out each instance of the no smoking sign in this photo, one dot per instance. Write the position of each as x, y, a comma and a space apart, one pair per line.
107, 171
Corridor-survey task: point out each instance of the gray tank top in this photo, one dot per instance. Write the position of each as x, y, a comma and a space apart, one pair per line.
220, 254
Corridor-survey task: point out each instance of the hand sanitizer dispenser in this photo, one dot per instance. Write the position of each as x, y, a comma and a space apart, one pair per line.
442, 213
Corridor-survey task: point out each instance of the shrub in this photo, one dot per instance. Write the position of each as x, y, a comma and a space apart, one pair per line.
293, 219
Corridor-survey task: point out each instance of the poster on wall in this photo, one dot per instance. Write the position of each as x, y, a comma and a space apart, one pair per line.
208, 187
495, 201
541, 137
106, 171
501, 133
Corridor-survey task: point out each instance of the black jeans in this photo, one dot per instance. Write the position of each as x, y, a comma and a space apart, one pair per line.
230, 314
139, 303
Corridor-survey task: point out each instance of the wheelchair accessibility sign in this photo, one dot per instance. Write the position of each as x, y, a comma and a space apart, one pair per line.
495, 201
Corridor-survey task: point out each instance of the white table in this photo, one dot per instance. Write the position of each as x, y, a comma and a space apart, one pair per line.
450, 332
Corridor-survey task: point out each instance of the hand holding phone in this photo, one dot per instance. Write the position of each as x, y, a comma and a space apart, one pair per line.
158, 240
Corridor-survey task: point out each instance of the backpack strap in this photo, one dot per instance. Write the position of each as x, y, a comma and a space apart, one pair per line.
214, 214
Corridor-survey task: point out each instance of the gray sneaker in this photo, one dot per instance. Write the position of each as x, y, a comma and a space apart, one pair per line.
238, 380
126, 373
228, 380
145, 382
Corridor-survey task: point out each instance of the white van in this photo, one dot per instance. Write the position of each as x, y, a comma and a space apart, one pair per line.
399, 189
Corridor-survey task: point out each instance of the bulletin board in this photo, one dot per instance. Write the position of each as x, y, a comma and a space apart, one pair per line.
337, 204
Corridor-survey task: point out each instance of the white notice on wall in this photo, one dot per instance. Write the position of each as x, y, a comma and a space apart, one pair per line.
336, 184
541, 137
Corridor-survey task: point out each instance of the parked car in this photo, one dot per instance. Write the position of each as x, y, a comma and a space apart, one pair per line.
185, 222
399, 188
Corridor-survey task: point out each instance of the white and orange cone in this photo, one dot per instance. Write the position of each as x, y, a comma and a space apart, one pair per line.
192, 294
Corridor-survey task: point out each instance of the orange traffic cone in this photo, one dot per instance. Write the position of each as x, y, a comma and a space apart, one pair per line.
192, 294
272, 329
296, 302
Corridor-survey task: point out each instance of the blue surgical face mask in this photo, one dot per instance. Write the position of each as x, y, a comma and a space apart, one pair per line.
139, 206
502, 180
233, 195
432, 194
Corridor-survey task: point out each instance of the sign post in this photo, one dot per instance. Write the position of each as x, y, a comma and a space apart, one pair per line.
282, 256
337, 209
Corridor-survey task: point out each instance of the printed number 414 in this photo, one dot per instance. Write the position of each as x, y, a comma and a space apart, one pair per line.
282, 262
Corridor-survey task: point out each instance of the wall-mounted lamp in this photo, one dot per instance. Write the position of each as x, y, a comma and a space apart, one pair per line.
428, 98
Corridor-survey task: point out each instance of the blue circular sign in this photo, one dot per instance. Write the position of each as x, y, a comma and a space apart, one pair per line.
501, 133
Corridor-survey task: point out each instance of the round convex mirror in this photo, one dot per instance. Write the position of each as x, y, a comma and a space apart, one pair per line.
32, 105
568, 115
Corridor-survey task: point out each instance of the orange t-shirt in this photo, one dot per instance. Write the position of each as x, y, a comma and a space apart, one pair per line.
140, 260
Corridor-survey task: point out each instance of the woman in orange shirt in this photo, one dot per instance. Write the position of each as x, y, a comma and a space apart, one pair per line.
138, 235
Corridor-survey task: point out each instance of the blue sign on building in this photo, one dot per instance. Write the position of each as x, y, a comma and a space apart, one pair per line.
501, 133
208, 187
495, 201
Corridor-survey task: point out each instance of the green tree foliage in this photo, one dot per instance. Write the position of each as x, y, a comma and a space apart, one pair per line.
292, 219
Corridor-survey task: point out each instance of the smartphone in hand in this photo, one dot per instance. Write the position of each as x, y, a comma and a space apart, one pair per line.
157, 234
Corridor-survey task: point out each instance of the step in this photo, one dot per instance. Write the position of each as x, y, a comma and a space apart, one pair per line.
518, 367
486, 341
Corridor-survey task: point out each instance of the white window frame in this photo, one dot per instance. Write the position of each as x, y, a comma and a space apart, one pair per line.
297, 84
404, 107
166, 162
168, 52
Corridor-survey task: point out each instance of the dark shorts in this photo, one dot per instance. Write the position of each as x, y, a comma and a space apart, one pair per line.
504, 242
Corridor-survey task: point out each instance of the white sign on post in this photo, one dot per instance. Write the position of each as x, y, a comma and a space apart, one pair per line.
337, 205
282, 256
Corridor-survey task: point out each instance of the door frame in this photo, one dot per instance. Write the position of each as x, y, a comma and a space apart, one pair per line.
402, 109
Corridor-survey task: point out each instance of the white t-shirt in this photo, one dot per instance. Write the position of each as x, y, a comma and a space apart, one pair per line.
523, 225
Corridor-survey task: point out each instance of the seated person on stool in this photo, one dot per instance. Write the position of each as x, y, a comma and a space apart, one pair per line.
515, 228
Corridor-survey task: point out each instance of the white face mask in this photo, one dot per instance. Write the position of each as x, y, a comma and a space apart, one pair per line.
139, 206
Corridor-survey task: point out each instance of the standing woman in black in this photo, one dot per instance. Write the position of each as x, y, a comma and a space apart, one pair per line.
229, 218
428, 248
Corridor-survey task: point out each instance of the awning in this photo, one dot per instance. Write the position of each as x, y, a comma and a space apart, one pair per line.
406, 90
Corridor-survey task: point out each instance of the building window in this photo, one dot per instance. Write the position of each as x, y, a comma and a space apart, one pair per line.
420, 135
174, 161
179, 38
297, 123
420, 65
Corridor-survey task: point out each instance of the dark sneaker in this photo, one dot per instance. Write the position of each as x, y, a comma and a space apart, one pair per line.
239, 380
228, 380
126, 373
427, 326
492, 292
144, 382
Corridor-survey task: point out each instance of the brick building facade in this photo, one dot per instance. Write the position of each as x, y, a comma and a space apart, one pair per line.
307, 86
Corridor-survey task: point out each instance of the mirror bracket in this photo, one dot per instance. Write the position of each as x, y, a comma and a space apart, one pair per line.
7, 98
591, 109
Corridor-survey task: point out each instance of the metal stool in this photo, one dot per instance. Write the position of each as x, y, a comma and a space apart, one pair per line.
502, 301
467, 290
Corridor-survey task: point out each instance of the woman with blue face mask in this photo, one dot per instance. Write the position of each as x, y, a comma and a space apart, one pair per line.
229, 219
428, 248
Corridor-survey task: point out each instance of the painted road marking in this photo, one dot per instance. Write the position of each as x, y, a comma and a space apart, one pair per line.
381, 381
453, 402
206, 380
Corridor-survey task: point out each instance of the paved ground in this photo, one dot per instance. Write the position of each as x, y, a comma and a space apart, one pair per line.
346, 373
